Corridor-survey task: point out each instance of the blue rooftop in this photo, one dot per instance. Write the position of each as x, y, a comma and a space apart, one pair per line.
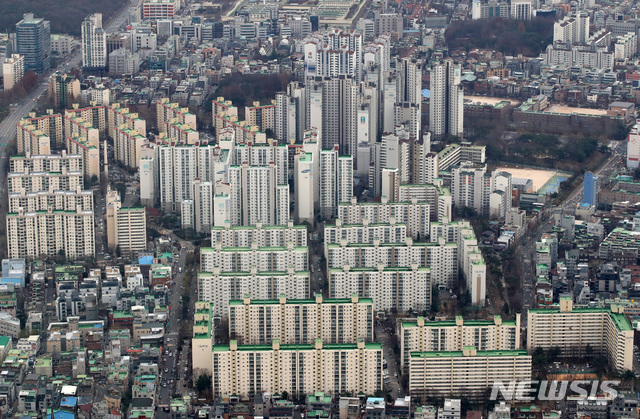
69, 402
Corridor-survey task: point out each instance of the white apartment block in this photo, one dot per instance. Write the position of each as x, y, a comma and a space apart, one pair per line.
438, 197
336, 181
466, 373
391, 288
262, 154
94, 42
219, 287
470, 186
58, 200
243, 259
364, 233
46, 162
12, 71
447, 99
167, 111
441, 257
306, 186
291, 321
572, 29
414, 214
418, 335
118, 116
454, 154
202, 217
34, 234
256, 197
131, 229
469, 255
626, 46
633, 147
336, 52
148, 171
32, 140
606, 331
297, 369
44, 181
262, 235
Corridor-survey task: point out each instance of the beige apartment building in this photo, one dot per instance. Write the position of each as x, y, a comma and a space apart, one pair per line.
203, 339
453, 335
167, 111
262, 235
118, 116
467, 373
301, 321
605, 330
34, 234
221, 287
32, 140
297, 369
131, 229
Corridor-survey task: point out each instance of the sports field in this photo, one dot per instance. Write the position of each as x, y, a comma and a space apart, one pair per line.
544, 181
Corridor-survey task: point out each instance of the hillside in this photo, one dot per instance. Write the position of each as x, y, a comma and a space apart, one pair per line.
65, 15
508, 36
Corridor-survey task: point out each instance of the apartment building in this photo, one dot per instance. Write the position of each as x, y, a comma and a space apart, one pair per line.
246, 370
446, 108
118, 116
131, 229
262, 116
94, 42
167, 111
241, 259
74, 123
181, 133
128, 145
42, 181
441, 257
418, 335
50, 124
220, 287
94, 114
203, 338
255, 196
364, 233
12, 71
415, 215
32, 140
58, 200
89, 153
391, 288
467, 373
605, 330
34, 234
294, 321
262, 235
336, 181
46, 162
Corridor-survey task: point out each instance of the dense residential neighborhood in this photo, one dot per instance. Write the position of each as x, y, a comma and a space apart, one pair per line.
334, 209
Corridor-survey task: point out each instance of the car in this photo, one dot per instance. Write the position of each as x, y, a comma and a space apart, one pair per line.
166, 370
395, 374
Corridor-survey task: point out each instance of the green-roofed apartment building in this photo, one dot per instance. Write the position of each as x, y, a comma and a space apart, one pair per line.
605, 330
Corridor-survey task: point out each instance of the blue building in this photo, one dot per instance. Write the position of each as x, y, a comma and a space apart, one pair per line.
33, 41
591, 187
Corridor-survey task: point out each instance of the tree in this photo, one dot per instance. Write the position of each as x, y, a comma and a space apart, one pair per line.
118, 251
285, 395
539, 357
203, 383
